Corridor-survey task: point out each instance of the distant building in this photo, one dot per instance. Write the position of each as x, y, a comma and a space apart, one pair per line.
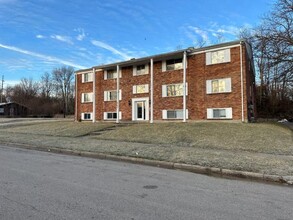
210, 83
12, 109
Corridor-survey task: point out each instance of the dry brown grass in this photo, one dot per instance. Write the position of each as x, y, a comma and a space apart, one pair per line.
263, 148
56, 128
263, 137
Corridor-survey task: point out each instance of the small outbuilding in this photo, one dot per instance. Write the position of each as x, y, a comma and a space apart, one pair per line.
13, 109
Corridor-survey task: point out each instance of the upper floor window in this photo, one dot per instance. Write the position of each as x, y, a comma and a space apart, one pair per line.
174, 64
140, 70
219, 56
87, 77
140, 89
112, 95
173, 90
111, 74
218, 85
86, 97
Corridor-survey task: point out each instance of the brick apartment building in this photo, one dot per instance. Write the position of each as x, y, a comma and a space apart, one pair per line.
210, 83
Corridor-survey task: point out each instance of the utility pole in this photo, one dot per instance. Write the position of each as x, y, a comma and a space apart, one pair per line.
2, 82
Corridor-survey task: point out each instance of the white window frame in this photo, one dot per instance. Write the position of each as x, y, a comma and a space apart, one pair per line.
165, 66
107, 95
87, 77
111, 119
165, 114
135, 89
165, 90
90, 95
106, 72
227, 82
85, 113
139, 72
226, 56
228, 113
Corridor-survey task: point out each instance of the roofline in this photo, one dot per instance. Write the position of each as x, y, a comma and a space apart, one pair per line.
157, 57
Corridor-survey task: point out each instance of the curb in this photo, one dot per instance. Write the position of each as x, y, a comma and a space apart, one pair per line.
212, 171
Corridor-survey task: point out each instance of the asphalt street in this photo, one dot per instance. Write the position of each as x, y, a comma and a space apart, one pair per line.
42, 185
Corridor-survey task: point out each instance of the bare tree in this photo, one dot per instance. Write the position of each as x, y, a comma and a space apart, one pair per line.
46, 85
63, 79
273, 46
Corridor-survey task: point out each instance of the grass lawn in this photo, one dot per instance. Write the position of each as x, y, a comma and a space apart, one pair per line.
263, 138
260, 147
56, 128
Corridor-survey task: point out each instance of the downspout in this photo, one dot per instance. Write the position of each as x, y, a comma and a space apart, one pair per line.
184, 86
242, 92
76, 97
152, 91
118, 95
94, 95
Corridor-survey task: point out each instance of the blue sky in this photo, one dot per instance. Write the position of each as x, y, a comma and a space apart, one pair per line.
39, 35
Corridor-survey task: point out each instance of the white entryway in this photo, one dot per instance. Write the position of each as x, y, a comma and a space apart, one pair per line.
140, 109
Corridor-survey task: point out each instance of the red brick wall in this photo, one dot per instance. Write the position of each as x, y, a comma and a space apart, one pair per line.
197, 100
82, 88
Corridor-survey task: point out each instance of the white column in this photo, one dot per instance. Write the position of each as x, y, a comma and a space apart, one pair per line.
241, 75
94, 95
76, 95
118, 95
152, 91
184, 86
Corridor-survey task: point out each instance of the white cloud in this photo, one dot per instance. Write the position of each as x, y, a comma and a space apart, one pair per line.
41, 56
65, 39
110, 48
81, 34
39, 36
202, 33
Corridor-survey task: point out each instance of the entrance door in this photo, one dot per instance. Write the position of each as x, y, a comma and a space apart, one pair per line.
140, 110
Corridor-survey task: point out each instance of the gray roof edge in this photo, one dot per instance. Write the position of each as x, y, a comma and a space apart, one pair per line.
162, 55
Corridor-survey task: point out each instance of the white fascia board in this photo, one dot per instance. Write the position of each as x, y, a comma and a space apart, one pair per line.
215, 49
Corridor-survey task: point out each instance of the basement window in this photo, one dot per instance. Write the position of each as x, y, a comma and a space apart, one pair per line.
219, 113
86, 116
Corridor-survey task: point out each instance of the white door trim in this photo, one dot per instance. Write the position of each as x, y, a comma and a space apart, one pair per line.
134, 107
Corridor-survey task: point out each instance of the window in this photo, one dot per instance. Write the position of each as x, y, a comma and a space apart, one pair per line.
173, 90
112, 95
86, 116
140, 70
86, 97
112, 74
218, 85
219, 113
1, 110
220, 56
87, 77
111, 115
174, 114
174, 64
140, 89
